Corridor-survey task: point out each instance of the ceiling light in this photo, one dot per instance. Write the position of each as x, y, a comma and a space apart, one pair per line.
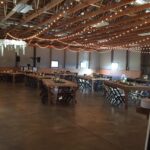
61, 35
2, 2
82, 13
140, 2
22, 8
144, 34
95, 5
147, 10
101, 24
101, 41
117, 1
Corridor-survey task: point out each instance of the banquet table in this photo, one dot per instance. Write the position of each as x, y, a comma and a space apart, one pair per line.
14, 75
37, 78
127, 88
93, 80
51, 85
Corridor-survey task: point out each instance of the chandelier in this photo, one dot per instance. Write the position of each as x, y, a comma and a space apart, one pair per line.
12, 44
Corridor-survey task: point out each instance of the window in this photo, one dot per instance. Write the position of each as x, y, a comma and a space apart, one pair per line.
84, 64
34, 69
54, 64
114, 66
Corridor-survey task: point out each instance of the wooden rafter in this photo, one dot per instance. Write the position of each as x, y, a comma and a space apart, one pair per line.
127, 11
65, 23
98, 12
12, 12
49, 6
68, 12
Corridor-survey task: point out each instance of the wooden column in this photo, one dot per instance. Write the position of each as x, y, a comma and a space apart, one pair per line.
112, 56
64, 58
89, 60
127, 60
17, 59
34, 56
77, 60
143, 63
50, 56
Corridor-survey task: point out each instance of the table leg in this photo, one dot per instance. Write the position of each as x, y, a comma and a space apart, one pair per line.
126, 99
38, 83
74, 96
50, 97
92, 85
147, 141
13, 78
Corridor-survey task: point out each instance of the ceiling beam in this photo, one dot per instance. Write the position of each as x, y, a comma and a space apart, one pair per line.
68, 12
47, 7
82, 5
116, 26
125, 12
98, 12
12, 12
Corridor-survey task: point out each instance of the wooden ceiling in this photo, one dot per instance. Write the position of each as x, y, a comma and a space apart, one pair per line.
77, 24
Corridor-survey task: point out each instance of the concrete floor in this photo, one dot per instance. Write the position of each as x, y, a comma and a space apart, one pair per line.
92, 124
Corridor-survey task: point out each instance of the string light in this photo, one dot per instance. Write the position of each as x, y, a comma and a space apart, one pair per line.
1, 2
52, 46
16, 44
89, 29
128, 31
58, 16
92, 45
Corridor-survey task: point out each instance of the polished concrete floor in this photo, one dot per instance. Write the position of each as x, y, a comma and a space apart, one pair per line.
92, 124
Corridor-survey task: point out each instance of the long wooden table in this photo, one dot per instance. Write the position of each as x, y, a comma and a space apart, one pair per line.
12, 74
38, 78
51, 85
127, 88
139, 80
